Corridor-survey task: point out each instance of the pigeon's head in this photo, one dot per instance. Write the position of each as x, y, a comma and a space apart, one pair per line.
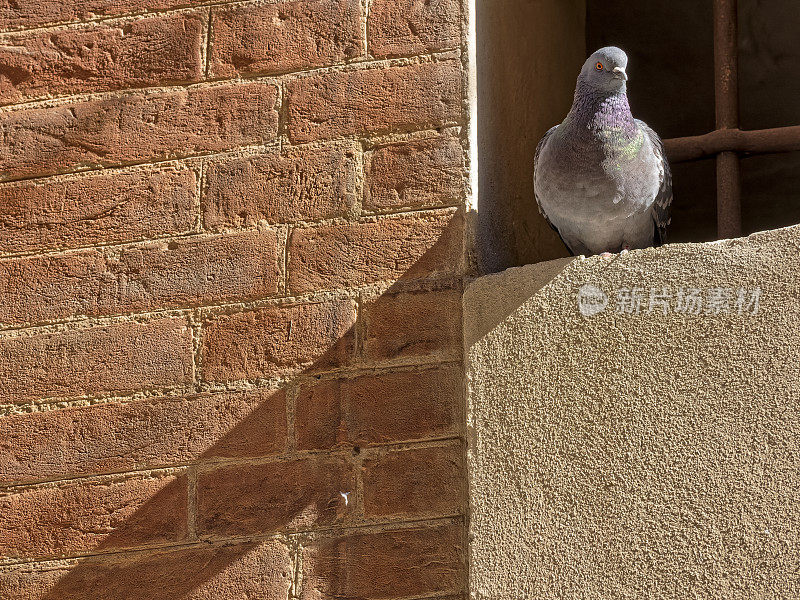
605, 70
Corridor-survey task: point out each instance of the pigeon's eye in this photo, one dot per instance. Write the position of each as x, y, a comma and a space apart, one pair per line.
599, 66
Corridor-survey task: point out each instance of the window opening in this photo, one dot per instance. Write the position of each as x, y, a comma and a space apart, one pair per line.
727, 142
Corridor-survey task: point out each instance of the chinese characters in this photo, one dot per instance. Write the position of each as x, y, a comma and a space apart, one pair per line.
666, 300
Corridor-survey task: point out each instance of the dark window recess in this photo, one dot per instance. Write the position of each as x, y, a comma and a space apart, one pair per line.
669, 45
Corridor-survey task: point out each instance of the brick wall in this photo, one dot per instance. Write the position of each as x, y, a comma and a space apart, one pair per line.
231, 253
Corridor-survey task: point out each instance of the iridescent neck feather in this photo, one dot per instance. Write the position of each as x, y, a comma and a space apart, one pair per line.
602, 115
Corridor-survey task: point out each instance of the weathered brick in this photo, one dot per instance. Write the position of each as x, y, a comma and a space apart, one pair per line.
403, 27
249, 499
136, 127
288, 36
278, 340
147, 52
421, 173
319, 419
35, 13
404, 406
372, 409
122, 357
93, 515
413, 324
415, 483
390, 564
142, 434
251, 570
147, 276
338, 104
409, 247
301, 184
97, 208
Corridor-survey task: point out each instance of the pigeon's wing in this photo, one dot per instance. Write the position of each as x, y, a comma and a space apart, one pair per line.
663, 199
539, 147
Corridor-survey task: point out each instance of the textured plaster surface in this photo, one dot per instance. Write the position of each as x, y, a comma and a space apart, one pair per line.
637, 456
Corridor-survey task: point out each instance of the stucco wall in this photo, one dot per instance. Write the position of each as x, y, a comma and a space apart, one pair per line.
637, 455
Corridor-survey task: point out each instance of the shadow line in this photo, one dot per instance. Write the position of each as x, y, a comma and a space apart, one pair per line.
250, 498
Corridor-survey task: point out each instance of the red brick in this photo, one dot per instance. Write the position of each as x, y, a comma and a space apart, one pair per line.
422, 173
409, 247
102, 207
404, 406
403, 27
147, 52
260, 570
278, 340
250, 499
93, 515
122, 357
319, 420
35, 13
142, 434
136, 127
153, 275
289, 36
301, 184
390, 564
372, 409
338, 104
413, 324
415, 483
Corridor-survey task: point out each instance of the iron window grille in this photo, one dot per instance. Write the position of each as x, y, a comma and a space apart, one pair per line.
728, 143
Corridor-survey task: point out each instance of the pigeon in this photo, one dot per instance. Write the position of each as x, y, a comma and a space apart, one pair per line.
601, 177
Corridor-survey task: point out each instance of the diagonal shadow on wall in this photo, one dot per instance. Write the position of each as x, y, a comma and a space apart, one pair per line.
238, 530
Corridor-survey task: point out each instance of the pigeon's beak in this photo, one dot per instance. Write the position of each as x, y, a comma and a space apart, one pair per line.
620, 73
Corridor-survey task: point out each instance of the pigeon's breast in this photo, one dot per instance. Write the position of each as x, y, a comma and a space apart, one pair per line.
604, 180
569, 180
596, 189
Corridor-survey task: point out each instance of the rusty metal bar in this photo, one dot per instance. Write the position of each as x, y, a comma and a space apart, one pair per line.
729, 210
726, 91
760, 141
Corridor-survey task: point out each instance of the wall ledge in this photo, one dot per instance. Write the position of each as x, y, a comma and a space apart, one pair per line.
629, 454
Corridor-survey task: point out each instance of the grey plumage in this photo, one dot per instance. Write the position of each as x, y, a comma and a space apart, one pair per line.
601, 177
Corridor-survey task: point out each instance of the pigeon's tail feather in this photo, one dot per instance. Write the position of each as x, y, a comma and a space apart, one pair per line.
566, 245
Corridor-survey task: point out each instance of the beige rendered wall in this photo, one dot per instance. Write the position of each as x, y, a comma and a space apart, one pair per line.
637, 455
